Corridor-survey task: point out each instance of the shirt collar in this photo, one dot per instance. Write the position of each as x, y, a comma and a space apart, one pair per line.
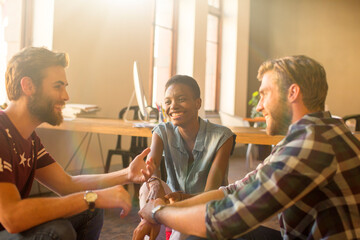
309, 118
200, 137
199, 141
325, 114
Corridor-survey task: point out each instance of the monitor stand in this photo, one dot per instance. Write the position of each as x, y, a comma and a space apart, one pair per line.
127, 110
141, 118
141, 122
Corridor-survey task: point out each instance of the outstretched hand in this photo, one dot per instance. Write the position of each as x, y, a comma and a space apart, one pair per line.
139, 170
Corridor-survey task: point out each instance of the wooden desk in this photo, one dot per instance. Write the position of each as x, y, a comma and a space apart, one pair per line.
101, 125
98, 126
119, 127
254, 135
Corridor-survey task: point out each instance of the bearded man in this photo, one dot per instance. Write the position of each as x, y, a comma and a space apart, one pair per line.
310, 180
36, 86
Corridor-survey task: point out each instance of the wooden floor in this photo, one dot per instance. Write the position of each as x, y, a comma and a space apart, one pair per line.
116, 228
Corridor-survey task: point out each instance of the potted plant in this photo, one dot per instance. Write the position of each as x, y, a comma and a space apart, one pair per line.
253, 102
3, 106
259, 152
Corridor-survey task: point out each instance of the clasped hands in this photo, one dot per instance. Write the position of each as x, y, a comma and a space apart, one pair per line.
148, 226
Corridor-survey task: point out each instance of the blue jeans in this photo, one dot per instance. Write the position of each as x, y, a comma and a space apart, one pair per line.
83, 226
260, 233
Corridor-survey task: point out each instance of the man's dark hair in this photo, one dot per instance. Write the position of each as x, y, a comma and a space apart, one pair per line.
186, 80
30, 62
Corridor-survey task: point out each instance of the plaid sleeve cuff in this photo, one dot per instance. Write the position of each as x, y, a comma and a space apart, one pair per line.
211, 232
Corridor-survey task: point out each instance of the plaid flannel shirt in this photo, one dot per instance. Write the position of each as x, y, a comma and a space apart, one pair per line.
311, 180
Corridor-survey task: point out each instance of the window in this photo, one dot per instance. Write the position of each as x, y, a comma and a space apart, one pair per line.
20, 27
163, 47
3, 52
214, 3
211, 103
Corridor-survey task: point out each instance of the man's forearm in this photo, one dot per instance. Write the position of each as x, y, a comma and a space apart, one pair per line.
200, 199
188, 216
96, 181
42, 210
190, 220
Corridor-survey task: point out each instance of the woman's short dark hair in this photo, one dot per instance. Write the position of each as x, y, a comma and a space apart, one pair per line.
186, 80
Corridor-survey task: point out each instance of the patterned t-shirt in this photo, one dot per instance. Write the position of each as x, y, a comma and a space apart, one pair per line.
19, 157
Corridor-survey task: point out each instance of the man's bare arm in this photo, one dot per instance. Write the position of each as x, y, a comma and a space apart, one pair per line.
17, 215
187, 216
55, 178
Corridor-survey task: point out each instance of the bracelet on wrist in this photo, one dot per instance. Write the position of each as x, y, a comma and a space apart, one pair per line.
153, 179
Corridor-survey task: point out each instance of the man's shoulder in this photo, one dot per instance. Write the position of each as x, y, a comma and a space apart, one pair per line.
4, 127
3, 119
316, 128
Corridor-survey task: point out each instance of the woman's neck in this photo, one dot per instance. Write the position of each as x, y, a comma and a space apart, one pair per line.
189, 134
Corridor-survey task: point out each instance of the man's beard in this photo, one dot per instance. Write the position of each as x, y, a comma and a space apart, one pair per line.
281, 119
42, 107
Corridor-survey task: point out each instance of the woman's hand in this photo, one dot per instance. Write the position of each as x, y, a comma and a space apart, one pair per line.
146, 228
156, 190
177, 196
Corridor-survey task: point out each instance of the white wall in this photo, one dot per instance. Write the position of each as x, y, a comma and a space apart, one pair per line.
103, 38
328, 31
186, 38
191, 42
43, 23
10, 38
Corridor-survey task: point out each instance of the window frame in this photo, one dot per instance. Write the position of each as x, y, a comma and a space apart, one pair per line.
217, 12
173, 56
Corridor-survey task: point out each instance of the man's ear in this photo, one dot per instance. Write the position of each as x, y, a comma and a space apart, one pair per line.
27, 86
198, 103
294, 92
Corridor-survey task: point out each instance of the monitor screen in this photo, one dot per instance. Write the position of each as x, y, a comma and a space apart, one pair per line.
139, 92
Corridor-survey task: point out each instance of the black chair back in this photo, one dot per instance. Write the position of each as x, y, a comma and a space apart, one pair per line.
356, 117
137, 145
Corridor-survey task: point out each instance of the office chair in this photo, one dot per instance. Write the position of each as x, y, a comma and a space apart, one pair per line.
138, 144
356, 117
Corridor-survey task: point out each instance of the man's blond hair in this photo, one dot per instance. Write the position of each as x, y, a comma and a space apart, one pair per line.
305, 72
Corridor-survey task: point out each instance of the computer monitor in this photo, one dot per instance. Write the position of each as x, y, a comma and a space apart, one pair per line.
140, 94
146, 114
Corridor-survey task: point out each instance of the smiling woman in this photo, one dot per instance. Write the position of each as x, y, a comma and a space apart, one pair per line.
196, 152
182, 102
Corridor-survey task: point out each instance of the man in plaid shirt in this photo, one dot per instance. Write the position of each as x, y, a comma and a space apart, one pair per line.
310, 180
